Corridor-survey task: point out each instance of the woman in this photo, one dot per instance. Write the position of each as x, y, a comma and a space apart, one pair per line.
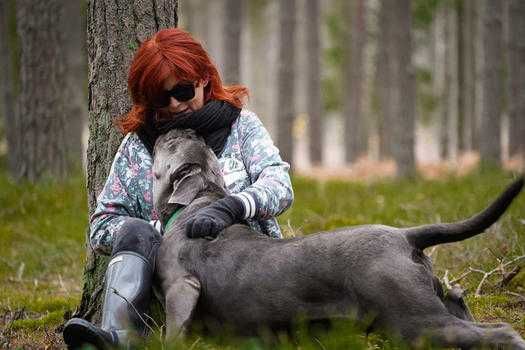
174, 84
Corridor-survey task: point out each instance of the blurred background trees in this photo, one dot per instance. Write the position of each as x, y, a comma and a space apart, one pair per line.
401, 81
337, 83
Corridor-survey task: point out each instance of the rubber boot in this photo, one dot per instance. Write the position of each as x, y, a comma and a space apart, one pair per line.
126, 300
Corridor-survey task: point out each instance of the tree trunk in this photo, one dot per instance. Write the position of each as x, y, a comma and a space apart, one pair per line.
115, 31
187, 12
383, 79
493, 86
355, 138
477, 13
403, 89
516, 90
444, 131
314, 109
232, 26
75, 79
7, 86
259, 55
469, 68
461, 68
40, 117
286, 74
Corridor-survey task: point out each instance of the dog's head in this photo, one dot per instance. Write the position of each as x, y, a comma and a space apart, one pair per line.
183, 167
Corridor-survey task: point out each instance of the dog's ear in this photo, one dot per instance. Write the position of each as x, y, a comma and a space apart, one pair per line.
185, 190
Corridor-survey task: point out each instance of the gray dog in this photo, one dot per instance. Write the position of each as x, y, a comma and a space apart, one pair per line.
250, 282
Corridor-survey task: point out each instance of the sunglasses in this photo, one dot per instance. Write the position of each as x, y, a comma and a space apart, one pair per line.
182, 92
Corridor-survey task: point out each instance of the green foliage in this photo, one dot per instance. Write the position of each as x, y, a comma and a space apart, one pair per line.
42, 251
51, 318
427, 101
133, 46
333, 57
255, 9
331, 88
423, 12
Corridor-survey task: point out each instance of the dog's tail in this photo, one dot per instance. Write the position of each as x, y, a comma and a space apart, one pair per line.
429, 235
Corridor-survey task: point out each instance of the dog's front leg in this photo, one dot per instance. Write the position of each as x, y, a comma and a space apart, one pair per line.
181, 299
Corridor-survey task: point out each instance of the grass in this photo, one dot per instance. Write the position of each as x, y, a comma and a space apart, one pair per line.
42, 250
41, 257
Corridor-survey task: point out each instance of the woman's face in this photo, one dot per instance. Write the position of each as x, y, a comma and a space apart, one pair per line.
177, 107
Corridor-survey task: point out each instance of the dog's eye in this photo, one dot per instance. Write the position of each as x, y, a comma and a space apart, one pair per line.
156, 174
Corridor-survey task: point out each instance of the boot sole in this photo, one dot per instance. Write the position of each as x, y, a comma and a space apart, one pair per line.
79, 332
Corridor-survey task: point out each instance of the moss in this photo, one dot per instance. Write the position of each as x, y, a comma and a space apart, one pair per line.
49, 320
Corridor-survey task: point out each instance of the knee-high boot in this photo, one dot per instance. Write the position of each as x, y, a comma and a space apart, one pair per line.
126, 300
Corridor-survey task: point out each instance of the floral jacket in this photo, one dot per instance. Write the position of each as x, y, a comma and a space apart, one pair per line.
251, 166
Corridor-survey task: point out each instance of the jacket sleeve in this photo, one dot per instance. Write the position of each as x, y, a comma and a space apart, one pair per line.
270, 192
116, 202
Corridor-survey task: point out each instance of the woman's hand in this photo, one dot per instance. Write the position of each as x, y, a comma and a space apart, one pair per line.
211, 220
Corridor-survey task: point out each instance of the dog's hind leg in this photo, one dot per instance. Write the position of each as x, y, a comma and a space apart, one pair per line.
181, 299
450, 331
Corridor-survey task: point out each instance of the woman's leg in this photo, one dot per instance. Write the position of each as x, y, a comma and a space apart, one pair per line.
127, 289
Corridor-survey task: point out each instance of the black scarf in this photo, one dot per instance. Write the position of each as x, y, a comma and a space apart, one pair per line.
213, 122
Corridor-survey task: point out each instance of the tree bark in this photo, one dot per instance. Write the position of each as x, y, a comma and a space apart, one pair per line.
286, 75
444, 132
461, 68
469, 67
383, 79
477, 11
314, 109
115, 30
403, 89
40, 105
232, 26
516, 81
493, 85
7, 86
355, 137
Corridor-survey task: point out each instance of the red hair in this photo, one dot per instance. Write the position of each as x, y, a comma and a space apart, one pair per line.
174, 52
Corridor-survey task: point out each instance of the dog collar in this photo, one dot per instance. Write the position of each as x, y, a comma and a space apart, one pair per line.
172, 218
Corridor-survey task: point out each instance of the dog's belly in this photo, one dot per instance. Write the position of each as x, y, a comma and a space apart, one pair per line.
258, 302
251, 316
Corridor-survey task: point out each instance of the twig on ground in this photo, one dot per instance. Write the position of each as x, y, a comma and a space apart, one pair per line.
446, 282
154, 322
509, 276
20, 271
61, 283
486, 274
194, 343
134, 308
498, 258
160, 328
432, 250
463, 275
320, 344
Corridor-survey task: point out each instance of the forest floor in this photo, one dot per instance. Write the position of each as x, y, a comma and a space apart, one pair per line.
43, 229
